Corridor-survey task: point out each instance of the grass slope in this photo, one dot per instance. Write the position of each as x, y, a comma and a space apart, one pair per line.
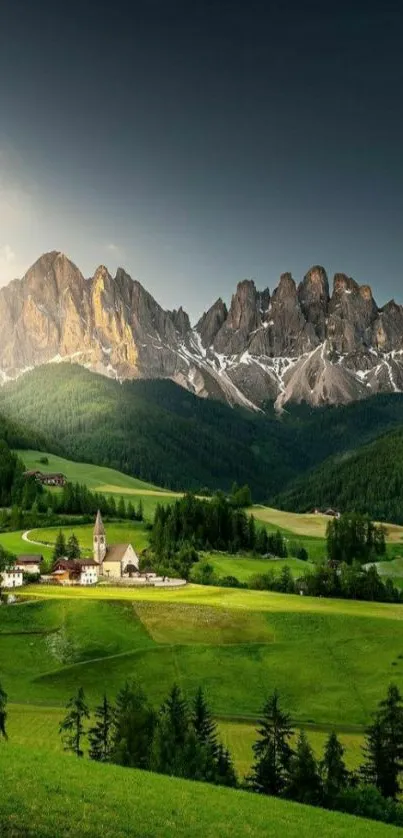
244, 567
331, 659
101, 479
47, 795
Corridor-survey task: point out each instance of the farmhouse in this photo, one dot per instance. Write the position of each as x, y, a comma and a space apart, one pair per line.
11, 578
47, 479
29, 563
114, 560
75, 572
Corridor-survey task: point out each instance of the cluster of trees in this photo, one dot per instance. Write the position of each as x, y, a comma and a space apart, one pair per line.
354, 537
216, 524
33, 505
69, 549
178, 740
294, 773
345, 582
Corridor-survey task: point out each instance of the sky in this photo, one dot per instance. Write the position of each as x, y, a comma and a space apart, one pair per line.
199, 142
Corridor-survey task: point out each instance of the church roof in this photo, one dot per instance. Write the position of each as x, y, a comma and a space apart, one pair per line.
99, 528
115, 552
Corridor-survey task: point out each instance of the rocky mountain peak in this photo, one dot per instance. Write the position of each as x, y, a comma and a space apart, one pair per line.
298, 343
286, 287
211, 321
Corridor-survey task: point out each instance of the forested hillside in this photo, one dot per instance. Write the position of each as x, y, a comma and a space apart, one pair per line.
154, 430
159, 432
368, 480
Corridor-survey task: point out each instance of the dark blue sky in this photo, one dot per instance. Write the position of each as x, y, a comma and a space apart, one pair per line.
197, 142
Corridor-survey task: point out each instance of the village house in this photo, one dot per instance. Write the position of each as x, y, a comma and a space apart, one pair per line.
29, 563
12, 578
75, 572
115, 560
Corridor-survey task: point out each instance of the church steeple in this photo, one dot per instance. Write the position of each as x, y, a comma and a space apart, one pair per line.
99, 540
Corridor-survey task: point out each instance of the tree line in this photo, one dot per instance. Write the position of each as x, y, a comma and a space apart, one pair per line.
293, 772
182, 740
178, 739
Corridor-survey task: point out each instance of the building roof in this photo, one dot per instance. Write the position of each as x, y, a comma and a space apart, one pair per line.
99, 528
115, 552
29, 558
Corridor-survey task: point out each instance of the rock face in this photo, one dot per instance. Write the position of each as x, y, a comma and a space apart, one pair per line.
298, 343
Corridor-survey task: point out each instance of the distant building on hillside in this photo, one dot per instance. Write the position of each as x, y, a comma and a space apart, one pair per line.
47, 479
114, 560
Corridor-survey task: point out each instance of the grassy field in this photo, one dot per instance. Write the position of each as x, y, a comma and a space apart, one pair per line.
243, 567
90, 799
101, 479
330, 659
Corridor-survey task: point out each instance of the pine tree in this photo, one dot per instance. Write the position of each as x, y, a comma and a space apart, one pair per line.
384, 745
172, 736
121, 510
130, 512
72, 728
140, 512
272, 750
225, 774
60, 547
304, 783
333, 769
73, 547
134, 727
203, 722
101, 734
252, 532
3, 711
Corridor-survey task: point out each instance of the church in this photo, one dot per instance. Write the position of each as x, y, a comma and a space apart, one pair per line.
114, 560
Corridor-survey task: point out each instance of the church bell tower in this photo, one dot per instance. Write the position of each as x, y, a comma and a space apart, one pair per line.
99, 541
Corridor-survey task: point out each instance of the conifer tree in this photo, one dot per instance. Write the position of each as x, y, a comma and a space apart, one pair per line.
384, 745
130, 512
172, 735
134, 727
333, 769
72, 727
121, 510
3, 712
225, 774
304, 782
101, 734
73, 548
59, 550
140, 512
272, 750
203, 722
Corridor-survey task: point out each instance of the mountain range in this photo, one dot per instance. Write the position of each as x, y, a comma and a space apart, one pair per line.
297, 343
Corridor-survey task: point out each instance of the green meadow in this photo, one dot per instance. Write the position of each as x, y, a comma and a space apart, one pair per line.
90, 799
244, 567
331, 660
101, 479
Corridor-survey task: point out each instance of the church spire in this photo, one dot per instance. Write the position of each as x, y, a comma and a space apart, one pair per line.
99, 540
99, 528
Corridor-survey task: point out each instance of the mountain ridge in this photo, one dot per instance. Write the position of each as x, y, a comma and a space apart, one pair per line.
298, 343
